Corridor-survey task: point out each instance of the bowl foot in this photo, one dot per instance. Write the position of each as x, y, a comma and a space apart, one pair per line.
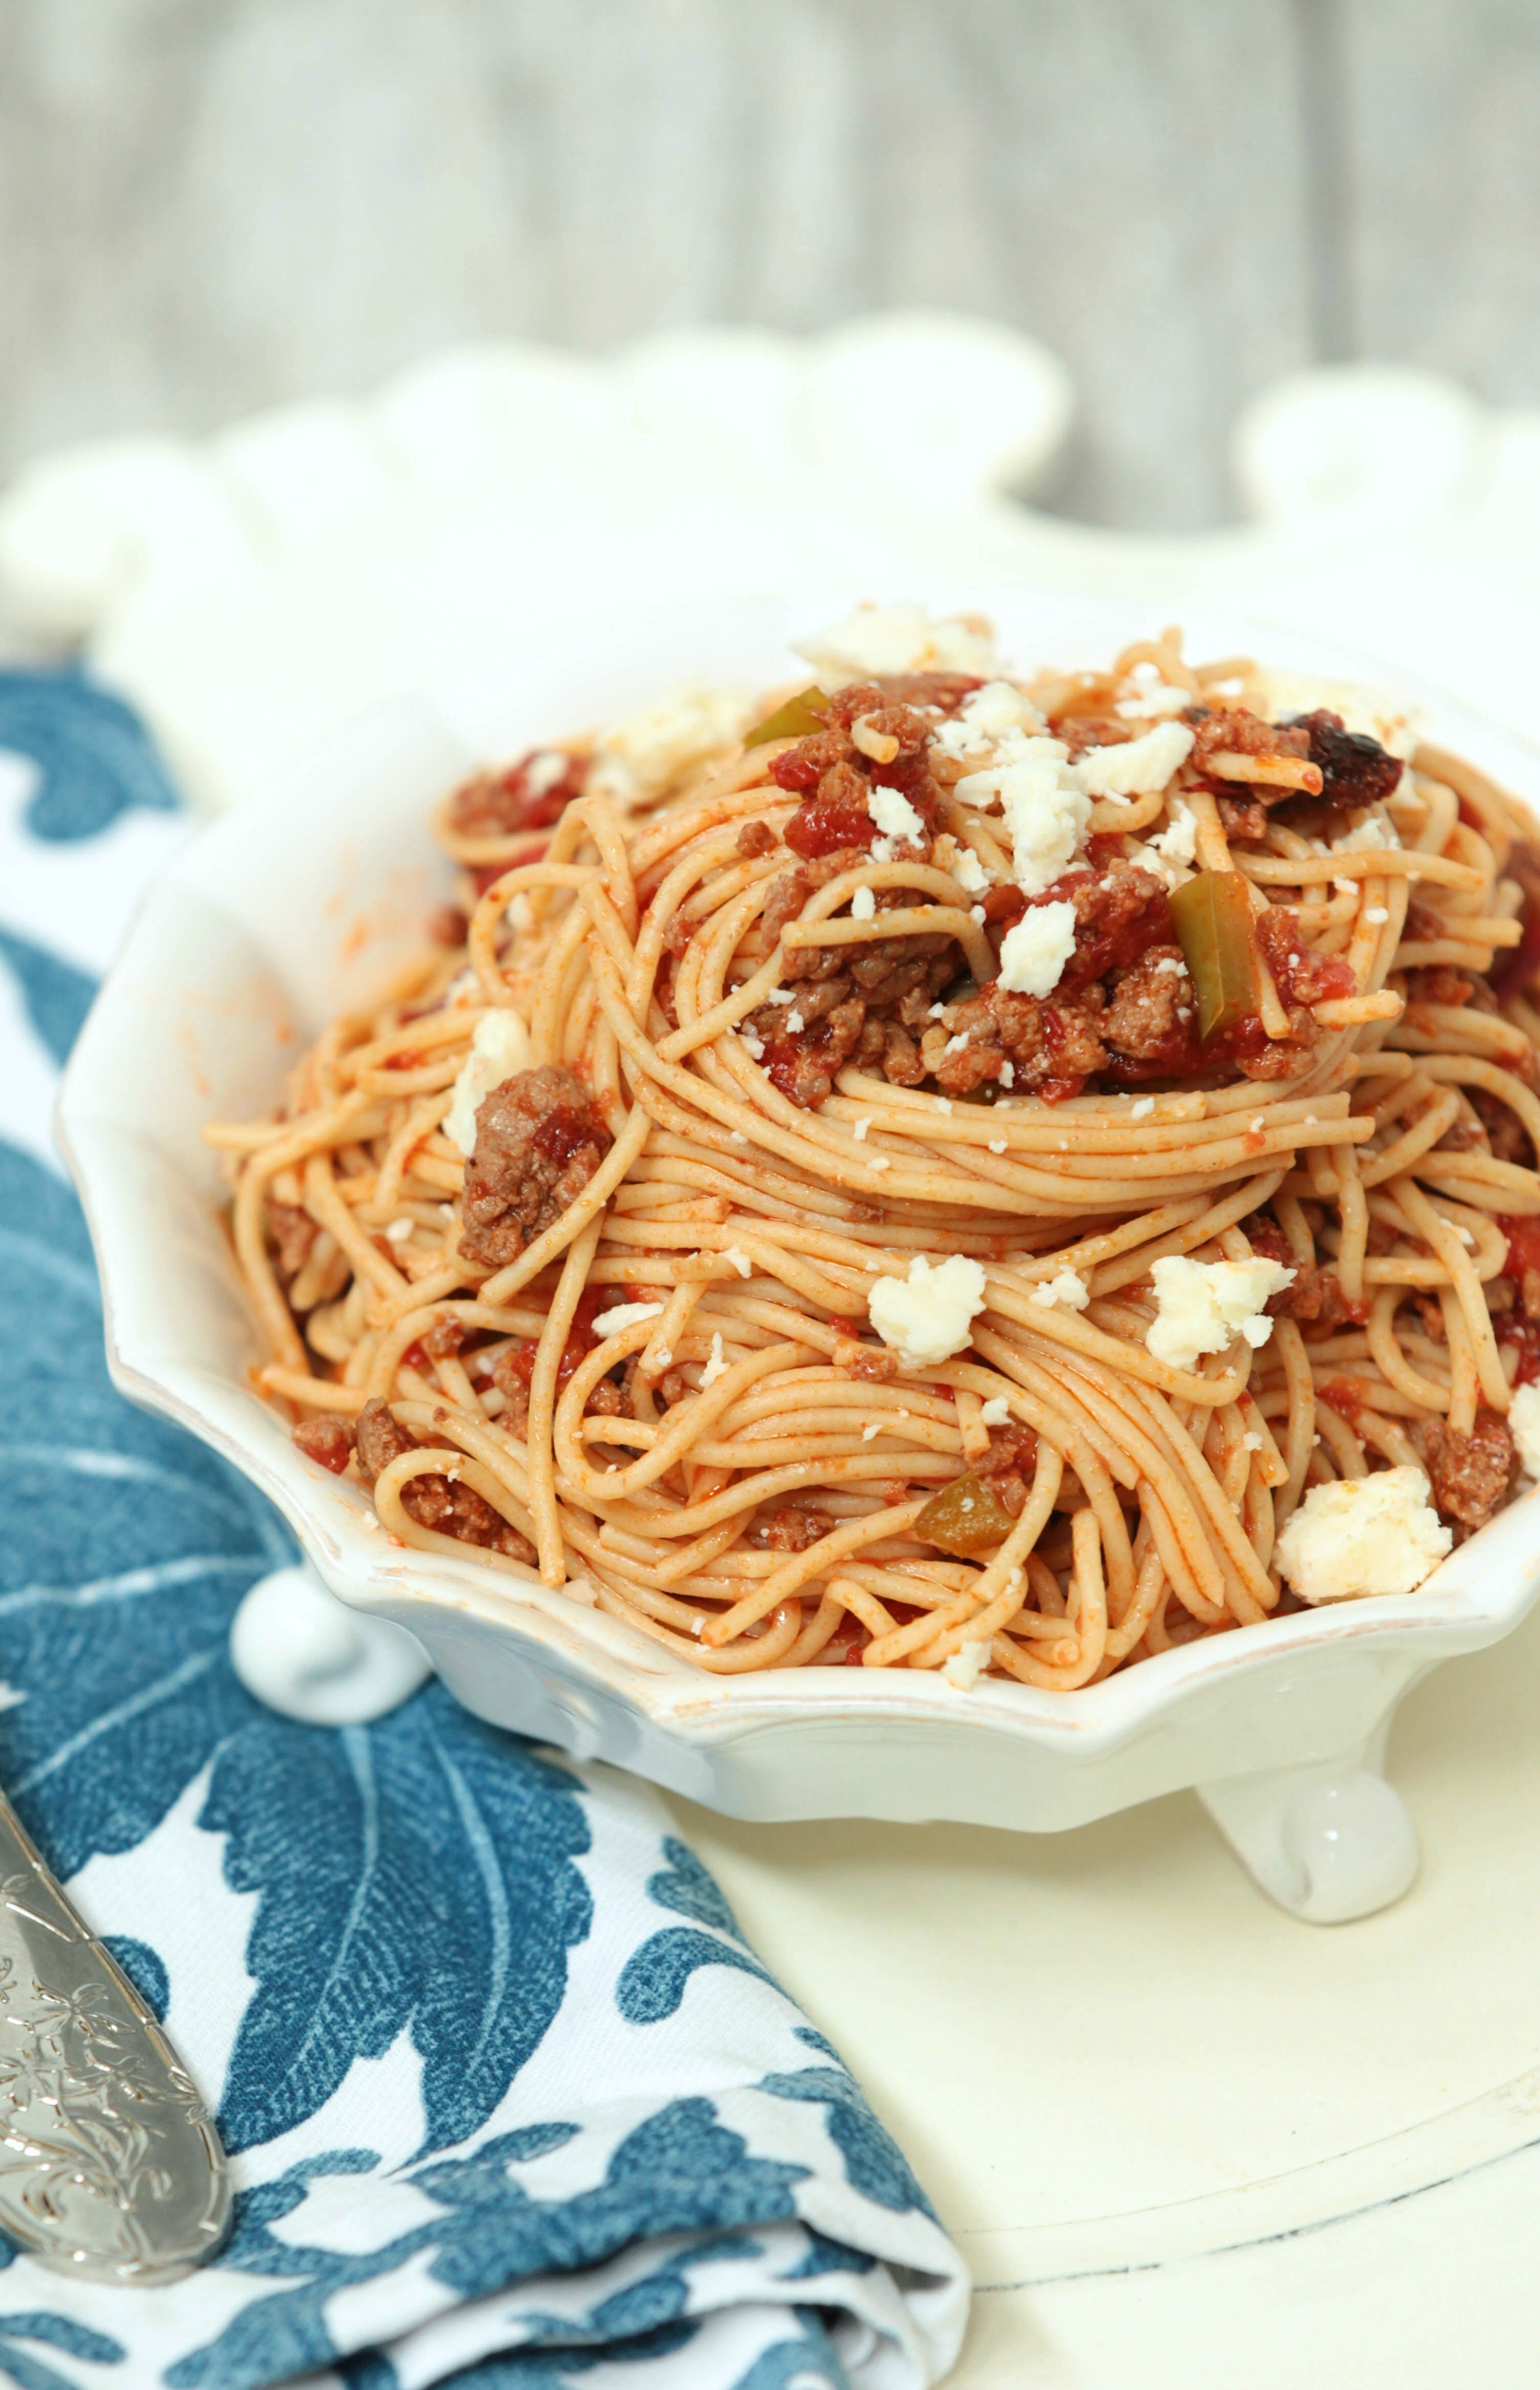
295, 1647
1329, 1842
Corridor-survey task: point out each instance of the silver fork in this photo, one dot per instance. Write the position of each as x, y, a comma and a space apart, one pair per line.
110, 2168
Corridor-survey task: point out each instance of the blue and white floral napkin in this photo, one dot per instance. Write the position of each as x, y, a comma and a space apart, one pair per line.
511, 2102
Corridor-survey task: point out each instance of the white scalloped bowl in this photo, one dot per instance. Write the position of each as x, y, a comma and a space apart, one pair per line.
296, 905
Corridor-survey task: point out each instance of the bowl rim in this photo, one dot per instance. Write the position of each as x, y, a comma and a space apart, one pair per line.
1462, 1606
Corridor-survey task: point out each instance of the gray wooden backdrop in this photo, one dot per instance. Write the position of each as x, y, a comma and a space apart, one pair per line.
207, 206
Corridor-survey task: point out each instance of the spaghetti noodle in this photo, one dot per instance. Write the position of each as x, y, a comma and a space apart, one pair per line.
1025, 1022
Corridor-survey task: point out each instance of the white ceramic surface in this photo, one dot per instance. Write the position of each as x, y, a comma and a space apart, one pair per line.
296, 904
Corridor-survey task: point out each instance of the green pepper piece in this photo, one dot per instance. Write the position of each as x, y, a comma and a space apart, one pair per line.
798, 719
1212, 914
966, 1518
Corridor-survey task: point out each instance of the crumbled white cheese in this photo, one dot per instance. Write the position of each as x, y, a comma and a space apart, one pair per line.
985, 718
1202, 1306
499, 1048
881, 1162
1035, 952
622, 1315
863, 904
1067, 1288
963, 1667
1046, 813
996, 1412
781, 995
859, 1131
1170, 963
1377, 1533
1376, 913
1523, 1423
1007, 1075
1374, 830
717, 1365
753, 1045
999, 1144
968, 872
1155, 698
873, 1427
900, 639
1142, 1110
640, 758
795, 1023
1374, 713
1251, 1442
739, 1259
397, 1231
954, 1045
895, 815
1139, 766
927, 1317
543, 770
1178, 842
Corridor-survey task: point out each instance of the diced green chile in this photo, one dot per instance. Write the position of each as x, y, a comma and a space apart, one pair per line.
966, 1518
798, 719
1212, 914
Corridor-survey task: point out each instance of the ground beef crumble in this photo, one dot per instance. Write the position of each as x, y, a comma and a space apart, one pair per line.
538, 1142
1470, 1474
527, 795
433, 1501
328, 1439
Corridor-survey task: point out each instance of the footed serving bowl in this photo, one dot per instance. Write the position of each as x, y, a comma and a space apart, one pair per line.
298, 904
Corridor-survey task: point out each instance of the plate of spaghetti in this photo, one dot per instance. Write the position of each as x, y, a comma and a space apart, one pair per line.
972, 1161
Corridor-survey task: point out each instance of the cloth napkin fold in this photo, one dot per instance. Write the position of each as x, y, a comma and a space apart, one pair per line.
509, 2099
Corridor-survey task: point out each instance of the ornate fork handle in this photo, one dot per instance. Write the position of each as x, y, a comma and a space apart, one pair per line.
110, 2167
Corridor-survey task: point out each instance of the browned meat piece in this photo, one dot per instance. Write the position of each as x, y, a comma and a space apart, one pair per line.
1052, 1047
1151, 1006
854, 1358
791, 1530
869, 705
1315, 1296
756, 838
1243, 805
380, 1441
459, 1510
1470, 1474
294, 1233
1302, 976
433, 1501
538, 1142
448, 926
531, 794
1437, 983
1006, 1469
443, 1340
791, 891
328, 1439
901, 1066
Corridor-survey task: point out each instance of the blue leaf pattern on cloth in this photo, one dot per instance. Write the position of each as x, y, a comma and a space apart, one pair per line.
56, 995
53, 2331
654, 1978
680, 2171
875, 2164
691, 1889
472, 1951
95, 756
144, 1968
416, 1903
